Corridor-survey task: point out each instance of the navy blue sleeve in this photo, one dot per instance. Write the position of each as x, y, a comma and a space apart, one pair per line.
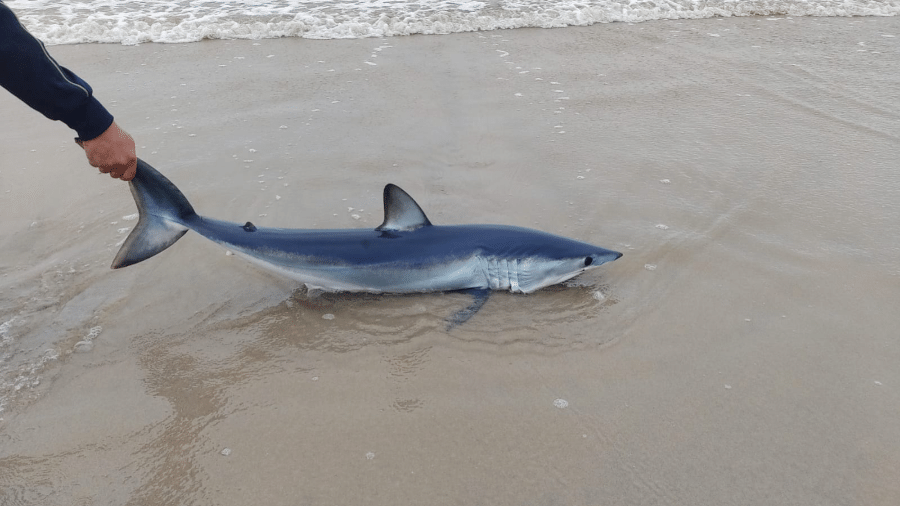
28, 72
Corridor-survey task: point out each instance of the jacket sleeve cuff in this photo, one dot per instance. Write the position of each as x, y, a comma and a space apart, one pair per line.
93, 122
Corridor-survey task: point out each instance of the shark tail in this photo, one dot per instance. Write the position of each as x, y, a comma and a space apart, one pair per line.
164, 214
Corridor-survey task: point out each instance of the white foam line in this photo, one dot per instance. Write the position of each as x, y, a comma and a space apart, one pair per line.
64, 22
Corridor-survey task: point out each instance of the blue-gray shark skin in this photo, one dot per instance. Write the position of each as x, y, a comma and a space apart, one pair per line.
405, 254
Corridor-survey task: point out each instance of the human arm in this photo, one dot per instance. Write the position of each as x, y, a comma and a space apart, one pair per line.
29, 72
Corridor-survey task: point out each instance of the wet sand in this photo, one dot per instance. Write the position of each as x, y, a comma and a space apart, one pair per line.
743, 351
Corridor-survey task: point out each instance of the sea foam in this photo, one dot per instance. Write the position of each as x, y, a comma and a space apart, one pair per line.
118, 21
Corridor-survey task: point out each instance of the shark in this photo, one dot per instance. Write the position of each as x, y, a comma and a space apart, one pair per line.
405, 254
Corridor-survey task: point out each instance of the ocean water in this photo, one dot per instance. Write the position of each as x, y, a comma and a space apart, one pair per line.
174, 21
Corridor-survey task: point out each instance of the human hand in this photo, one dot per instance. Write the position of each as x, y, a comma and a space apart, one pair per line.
113, 152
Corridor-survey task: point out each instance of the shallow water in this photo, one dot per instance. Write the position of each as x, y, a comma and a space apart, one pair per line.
742, 351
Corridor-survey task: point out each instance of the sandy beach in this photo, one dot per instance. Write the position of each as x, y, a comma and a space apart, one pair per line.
744, 350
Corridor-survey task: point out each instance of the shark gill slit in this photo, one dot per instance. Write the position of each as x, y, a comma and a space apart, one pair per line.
514, 277
501, 273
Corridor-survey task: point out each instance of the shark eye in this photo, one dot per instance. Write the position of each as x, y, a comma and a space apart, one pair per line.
588, 261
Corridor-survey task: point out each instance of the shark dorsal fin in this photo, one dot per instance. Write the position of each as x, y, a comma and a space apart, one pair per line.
401, 213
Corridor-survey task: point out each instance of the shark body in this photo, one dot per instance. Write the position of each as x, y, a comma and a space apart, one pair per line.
405, 254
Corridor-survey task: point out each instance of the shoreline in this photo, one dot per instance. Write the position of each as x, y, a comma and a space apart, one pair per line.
743, 350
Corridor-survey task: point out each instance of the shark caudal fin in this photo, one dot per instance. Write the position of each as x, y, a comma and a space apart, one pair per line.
163, 214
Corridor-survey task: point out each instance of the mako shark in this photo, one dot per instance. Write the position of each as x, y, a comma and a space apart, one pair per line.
405, 254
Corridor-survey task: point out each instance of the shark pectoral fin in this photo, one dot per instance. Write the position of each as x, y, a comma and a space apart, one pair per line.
401, 213
481, 296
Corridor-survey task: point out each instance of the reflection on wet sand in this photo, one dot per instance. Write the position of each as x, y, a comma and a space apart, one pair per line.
202, 368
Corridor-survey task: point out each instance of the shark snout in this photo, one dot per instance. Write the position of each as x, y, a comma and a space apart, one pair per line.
602, 257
